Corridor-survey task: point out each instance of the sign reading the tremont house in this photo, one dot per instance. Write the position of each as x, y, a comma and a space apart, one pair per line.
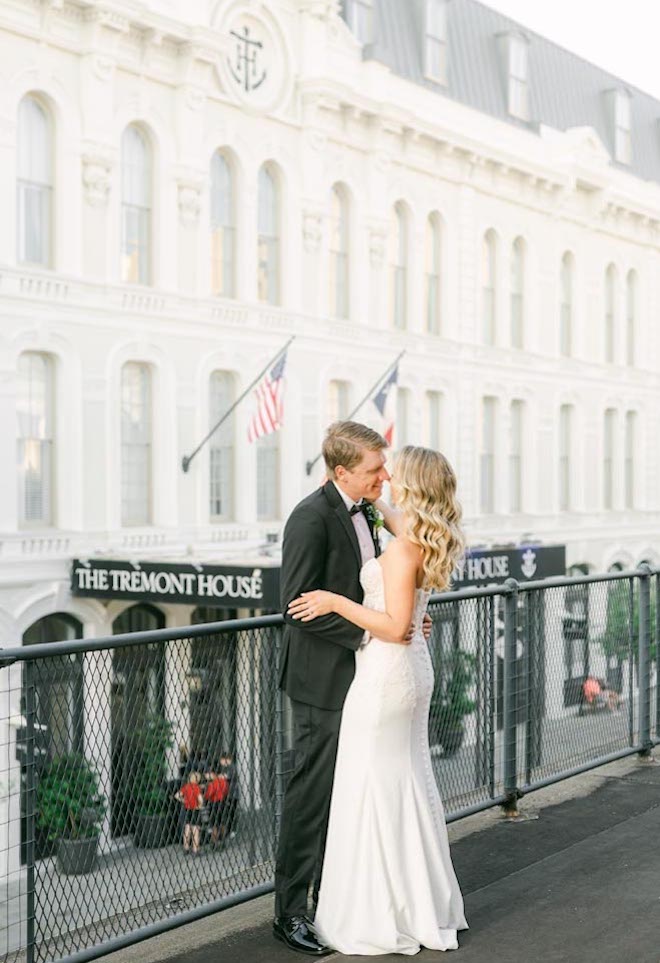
220, 586
527, 563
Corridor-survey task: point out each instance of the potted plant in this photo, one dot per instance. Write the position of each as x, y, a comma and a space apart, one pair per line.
451, 702
70, 811
149, 790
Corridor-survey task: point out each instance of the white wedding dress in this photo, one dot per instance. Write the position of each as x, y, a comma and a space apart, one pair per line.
388, 884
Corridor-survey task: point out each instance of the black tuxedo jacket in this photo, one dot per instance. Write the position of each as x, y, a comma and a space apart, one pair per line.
320, 550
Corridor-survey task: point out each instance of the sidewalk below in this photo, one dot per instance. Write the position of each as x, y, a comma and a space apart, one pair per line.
579, 882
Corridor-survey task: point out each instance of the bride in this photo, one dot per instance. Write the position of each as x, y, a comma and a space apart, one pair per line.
388, 884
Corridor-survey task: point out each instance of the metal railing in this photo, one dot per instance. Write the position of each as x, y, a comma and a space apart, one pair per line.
142, 775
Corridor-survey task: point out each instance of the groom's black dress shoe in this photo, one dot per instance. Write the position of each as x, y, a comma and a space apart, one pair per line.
298, 934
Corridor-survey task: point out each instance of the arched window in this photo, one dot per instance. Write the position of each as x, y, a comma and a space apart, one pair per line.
399, 267
516, 415
223, 230
489, 287
517, 293
34, 185
630, 443
631, 316
565, 460
36, 439
136, 444
338, 400
566, 306
269, 237
434, 419
221, 447
432, 257
487, 458
339, 261
136, 194
610, 313
609, 428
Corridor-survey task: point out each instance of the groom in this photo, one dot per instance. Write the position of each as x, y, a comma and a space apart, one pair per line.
327, 539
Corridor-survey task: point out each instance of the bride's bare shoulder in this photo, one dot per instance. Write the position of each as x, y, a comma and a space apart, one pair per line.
402, 551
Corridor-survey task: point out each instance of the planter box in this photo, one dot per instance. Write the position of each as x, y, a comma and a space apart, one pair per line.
151, 832
76, 856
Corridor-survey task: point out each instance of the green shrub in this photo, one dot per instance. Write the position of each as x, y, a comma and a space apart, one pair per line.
69, 805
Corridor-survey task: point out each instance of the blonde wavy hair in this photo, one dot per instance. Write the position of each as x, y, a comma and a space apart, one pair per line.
426, 486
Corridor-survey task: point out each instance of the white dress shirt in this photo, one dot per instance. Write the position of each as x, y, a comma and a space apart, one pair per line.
361, 526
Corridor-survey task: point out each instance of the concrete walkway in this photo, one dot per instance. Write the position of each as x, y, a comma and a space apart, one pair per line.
579, 882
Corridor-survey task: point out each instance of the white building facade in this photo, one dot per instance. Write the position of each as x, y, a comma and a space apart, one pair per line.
181, 195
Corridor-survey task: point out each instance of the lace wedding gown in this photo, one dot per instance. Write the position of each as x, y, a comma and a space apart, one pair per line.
388, 884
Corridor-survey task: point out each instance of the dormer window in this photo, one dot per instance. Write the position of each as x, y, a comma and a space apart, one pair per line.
435, 40
515, 61
518, 86
361, 20
622, 137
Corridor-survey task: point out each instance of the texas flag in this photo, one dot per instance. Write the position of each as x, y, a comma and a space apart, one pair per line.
385, 402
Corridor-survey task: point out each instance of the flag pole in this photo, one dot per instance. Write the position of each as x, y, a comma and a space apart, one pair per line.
310, 464
185, 461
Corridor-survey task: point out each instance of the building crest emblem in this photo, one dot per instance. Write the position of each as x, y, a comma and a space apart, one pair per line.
255, 66
528, 567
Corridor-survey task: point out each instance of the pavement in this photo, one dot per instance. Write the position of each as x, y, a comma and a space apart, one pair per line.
576, 880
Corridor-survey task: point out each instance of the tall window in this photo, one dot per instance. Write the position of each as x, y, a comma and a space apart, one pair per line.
487, 467
398, 266
223, 231
489, 280
518, 81
610, 308
608, 458
268, 477
136, 453
622, 128
34, 185
221, 447
631, 316
338, 253
629, 466
432, 258
565, 442
34, 455
338, 401
517, 292
566, 306
515, 455
135, 207
402, 426
433, 419
362, 20
269, 238
435, 41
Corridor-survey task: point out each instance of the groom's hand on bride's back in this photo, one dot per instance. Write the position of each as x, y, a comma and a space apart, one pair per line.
427, 628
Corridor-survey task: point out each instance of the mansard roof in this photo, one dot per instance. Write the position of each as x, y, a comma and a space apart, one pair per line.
565, 91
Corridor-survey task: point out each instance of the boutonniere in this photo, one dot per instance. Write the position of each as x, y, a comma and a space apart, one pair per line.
374, 517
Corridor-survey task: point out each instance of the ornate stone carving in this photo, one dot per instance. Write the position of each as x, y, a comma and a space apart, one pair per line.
189, 202
96, 179
377, 246
312, 231
323, 9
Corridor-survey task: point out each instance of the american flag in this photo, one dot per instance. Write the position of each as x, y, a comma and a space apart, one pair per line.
385, 401
269, 393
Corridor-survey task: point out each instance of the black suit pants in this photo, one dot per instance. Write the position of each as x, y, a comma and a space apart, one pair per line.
306, 808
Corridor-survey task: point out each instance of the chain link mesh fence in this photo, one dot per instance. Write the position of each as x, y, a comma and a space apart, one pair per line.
142, 777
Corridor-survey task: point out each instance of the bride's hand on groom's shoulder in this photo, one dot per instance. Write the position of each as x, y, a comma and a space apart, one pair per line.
310, 605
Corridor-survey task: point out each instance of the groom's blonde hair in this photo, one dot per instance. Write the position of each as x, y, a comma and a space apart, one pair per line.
345, 443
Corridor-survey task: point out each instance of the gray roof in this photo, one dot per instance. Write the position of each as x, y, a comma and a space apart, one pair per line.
565, 90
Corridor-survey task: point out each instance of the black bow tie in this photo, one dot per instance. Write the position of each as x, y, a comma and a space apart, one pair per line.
361, 507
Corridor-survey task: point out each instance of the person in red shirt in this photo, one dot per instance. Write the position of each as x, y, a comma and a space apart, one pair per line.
190, 796
215, 795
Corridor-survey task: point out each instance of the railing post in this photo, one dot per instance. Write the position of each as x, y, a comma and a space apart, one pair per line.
509, 697
644, 670
30, 805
